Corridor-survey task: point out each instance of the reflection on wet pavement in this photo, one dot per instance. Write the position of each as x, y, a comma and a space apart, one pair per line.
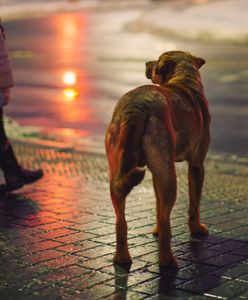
108, 59
58, 235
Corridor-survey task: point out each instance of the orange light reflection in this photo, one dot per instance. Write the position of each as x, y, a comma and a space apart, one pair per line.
70, 94
74, 107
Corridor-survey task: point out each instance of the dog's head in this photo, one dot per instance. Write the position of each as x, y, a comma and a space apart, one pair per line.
160, 71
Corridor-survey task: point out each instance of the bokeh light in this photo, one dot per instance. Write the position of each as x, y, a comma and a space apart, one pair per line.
69, 78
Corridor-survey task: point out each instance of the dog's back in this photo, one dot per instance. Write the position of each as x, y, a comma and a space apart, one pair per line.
177, 121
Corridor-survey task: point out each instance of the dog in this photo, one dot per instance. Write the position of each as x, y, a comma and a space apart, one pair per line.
155, 126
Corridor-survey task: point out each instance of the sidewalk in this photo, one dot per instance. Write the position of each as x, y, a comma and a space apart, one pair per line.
58, 236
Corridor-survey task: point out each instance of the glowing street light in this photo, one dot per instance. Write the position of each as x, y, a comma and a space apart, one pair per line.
69, 78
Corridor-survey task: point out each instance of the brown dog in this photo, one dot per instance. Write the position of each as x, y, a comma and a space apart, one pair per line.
155, 126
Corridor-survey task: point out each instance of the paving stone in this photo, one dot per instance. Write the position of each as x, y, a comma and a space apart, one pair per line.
27, 240
40, 257
75, 238
216, 239
88, 280
142, 240
60, 232
155, 268
145, 230
229, 246
231, 271
119, 271
131, 280
103, 230
223, 260
197, 257
243, 278
193, 271
127, 294
60, 262
243, 296
55, 225
97, 263
229, 289
240, 231
138, 251
59, 244
151, 257
162, 287
66, 272
106, 239
98, 251
141, 223
219, 220
74, 248
41, 246
45, 292
97, 292
201, 284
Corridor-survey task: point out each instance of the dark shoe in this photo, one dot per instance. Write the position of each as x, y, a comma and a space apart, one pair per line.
16, 180
3, 189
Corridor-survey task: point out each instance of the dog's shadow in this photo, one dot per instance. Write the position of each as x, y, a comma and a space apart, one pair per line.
14, 207
203, 266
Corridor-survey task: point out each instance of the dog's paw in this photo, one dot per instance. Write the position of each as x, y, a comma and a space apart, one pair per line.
122, 258
168, 262
200, 231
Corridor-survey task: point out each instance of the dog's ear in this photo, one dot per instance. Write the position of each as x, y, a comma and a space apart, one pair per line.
163, 70
149, 68
198, 61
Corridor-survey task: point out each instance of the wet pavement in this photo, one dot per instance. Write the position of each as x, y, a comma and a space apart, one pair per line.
107, 55
58, 235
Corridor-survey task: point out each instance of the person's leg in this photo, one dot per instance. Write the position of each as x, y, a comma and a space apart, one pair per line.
3, 136
15, 175
7, 157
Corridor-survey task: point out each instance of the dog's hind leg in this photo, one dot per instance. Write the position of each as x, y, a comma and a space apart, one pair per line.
123, 152
158, 145
165, 185
196, 178
118, 197
122, 255
155, 230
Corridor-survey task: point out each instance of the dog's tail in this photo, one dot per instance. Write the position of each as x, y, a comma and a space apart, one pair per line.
131, 166
124, 183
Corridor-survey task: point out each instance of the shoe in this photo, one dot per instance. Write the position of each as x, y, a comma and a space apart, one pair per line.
16, 180
3, 189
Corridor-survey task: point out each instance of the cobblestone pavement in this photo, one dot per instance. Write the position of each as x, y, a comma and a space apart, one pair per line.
58, 236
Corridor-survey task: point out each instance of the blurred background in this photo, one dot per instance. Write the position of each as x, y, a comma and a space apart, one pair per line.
74, 59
